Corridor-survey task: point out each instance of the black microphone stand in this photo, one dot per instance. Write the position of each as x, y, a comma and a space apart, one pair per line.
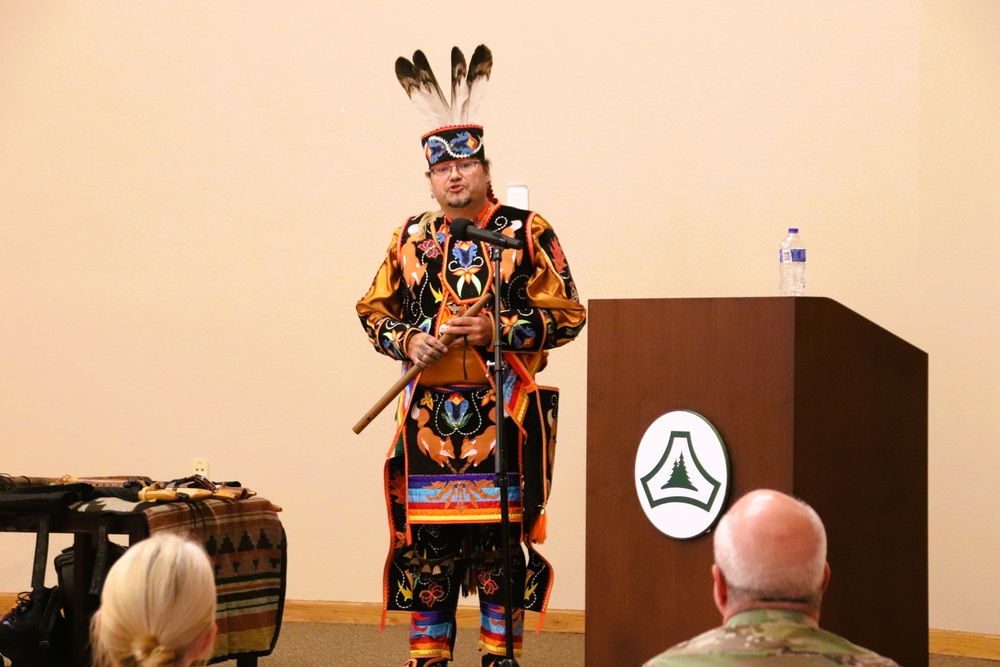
500, 458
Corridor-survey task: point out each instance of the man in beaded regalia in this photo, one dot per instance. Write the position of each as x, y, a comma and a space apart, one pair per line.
442, 489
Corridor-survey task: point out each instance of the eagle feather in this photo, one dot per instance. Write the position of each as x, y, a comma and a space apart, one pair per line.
422, 88
480, 67
459, 85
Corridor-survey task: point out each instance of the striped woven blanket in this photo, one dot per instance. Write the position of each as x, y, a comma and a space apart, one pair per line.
247, 543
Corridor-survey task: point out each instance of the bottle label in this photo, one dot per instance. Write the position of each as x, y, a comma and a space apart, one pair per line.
791, 255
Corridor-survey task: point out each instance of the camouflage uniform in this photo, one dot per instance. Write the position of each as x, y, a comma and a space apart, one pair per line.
771, 636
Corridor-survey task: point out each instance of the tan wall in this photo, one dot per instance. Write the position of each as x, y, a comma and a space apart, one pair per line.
958, 316
193, 195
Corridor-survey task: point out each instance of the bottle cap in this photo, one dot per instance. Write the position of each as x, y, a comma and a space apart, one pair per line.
793, 230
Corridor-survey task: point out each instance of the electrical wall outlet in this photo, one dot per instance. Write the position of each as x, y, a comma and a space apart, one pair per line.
201, 467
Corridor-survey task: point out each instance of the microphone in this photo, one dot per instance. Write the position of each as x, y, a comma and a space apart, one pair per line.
463, 229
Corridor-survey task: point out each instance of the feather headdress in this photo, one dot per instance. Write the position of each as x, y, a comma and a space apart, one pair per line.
456, 135
468, 85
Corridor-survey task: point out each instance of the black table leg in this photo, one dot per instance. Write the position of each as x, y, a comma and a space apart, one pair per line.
83, 569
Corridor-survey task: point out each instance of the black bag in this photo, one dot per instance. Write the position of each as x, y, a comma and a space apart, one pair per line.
35, 633
106, 554
38, 631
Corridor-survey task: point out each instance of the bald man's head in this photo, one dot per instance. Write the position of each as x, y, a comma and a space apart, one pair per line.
771, 547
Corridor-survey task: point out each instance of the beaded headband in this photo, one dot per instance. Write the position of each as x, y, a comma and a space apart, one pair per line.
457, 137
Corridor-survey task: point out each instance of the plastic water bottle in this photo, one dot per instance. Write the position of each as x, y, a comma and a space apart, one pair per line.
792, 263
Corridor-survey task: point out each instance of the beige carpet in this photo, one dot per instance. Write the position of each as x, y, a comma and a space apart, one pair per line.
343, 645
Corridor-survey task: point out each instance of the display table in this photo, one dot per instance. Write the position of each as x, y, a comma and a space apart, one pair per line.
243, 537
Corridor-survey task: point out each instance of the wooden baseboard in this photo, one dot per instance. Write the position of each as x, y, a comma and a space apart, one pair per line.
944, 642
967, 644
319, 611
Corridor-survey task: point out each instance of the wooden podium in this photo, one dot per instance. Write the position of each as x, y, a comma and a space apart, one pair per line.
810, 399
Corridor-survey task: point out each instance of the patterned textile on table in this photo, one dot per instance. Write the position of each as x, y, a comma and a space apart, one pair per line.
247, 544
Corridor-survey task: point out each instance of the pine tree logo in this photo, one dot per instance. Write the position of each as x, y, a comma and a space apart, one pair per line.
679, 488
682, 474
679, 476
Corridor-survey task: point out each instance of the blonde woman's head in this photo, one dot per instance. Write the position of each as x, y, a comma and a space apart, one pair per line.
157, 607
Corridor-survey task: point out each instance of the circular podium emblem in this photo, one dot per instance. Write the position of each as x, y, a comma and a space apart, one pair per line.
682, 474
